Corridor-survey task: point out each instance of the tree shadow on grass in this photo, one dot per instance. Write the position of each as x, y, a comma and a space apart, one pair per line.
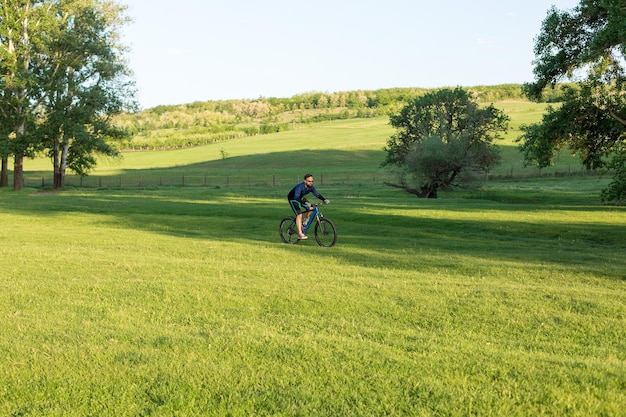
272, 168
468, 245
533, 234
370, 234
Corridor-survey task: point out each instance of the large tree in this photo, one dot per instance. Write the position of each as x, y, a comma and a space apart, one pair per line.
586, 45
87, 83
62, 83
20, 22
443, 138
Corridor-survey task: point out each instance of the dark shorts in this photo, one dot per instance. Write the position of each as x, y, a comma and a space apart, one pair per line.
297, 207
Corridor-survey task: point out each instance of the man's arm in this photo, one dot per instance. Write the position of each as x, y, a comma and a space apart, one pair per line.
316, 193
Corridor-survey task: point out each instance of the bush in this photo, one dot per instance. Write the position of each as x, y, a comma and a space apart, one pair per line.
616, 190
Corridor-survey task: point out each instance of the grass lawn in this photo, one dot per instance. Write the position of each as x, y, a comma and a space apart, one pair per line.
507, 300
183, 301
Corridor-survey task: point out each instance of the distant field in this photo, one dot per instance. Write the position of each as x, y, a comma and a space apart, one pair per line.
342, 151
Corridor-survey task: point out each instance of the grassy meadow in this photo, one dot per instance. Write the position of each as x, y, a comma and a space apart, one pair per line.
133, 301
341, 152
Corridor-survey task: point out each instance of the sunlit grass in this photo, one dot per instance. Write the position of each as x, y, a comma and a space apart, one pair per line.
182, 301
508, 299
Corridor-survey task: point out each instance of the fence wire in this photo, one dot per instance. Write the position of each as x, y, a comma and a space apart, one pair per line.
277, 180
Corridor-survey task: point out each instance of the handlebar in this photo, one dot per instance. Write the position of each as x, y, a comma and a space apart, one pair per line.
319, 204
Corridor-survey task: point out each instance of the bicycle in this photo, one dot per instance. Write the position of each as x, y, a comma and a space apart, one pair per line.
325, 230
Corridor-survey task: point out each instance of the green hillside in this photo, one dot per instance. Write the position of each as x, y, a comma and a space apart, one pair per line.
342, 150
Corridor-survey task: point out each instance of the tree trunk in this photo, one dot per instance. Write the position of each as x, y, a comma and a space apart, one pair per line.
426, 191
429, 191
4, 174
20, 94
60, 163
59, 176
56, 164
18, 171
18, 163
63, 167
58, 180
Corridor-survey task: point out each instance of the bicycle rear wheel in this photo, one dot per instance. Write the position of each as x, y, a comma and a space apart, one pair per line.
288, 230
325, 233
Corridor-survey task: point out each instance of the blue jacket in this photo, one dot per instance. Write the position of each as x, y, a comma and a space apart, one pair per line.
298, 192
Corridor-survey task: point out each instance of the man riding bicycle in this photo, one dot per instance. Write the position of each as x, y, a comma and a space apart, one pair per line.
298, 202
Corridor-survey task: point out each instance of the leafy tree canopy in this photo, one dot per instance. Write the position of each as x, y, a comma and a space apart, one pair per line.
586, 45
590, 38
442, 139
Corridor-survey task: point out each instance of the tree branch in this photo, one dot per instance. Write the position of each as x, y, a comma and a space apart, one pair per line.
616, 117
410, 190
424, 192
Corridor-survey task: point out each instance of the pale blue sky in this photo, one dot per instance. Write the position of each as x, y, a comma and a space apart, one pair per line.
198, 50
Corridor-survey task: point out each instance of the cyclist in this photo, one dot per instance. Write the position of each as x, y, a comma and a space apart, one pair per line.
298, 202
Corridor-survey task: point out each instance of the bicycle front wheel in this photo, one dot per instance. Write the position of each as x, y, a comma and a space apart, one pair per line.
325, 233
288, 230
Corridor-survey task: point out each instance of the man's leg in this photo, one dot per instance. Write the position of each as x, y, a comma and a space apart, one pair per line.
306, 215
296, 207
299, 224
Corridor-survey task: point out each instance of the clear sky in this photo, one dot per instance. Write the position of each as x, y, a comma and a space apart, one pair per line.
198, 50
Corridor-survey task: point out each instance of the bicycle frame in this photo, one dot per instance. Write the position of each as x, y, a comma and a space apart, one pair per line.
313, 217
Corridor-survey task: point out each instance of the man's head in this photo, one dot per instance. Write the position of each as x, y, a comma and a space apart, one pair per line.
308, 180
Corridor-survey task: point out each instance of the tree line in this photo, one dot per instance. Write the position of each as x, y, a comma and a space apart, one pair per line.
200, 123
307, 107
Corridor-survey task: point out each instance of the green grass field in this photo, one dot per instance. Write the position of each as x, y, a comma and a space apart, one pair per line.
337, 152
509, 300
